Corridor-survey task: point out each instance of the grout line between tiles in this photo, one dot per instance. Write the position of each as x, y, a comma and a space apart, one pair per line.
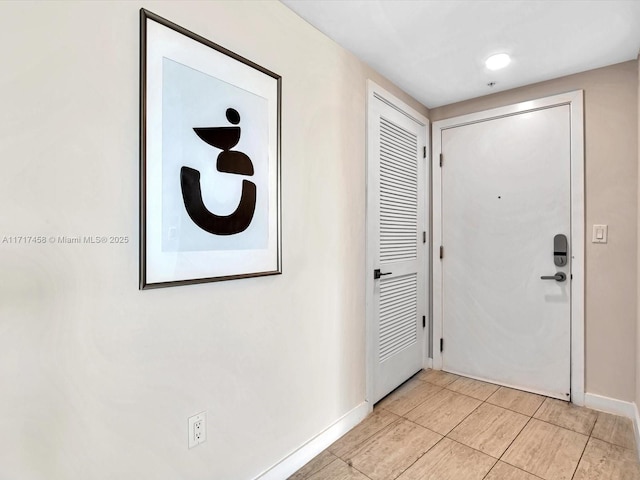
460, 393
475, 449
442, 386
467, 416
350, 465
487, 474
517, 468
320, 469
348, 456
485, 453
529, 473
594, 424
480, 381
539, 407
514, 439
560, 426
633, 449
363, 441
351, 453
452, 439
435, 384
494, 458
630, 425
510, 409
580, 459
416, 460
446, 387
426, 428
426, 399
590, 435
514, 466
492, 467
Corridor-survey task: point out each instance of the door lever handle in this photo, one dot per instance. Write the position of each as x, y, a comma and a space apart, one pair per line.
377, 274
558, 277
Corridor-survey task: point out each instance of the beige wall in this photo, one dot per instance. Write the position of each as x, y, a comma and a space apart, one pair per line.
638, 323
611, 171
98, 378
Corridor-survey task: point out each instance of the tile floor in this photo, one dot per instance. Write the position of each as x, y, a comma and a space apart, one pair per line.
439, 426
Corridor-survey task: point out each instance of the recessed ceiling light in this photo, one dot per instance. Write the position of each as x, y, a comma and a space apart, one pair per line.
497, 61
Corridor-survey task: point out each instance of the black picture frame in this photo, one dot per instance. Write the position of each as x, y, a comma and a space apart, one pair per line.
185, 79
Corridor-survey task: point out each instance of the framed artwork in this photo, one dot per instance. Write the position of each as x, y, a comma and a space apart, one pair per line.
209, 160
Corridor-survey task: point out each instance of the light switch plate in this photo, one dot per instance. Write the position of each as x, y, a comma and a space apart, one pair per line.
600, 234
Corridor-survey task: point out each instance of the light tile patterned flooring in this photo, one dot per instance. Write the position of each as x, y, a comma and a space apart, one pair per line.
439, 426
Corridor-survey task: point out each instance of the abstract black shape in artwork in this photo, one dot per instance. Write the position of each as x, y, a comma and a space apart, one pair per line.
233, 116
229, 161
237, 222
225, 138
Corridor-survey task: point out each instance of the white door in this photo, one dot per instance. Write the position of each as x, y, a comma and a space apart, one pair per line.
505, 197
397, 245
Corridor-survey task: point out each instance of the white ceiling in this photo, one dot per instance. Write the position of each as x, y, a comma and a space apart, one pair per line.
435, 50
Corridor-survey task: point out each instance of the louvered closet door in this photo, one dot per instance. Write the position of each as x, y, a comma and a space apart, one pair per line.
400, 292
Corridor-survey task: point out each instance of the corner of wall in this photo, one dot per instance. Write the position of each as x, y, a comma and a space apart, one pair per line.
636, 421
301, 456
636, 428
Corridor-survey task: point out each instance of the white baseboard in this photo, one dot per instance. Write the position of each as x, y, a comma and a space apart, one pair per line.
301, 456
636, 430
610, 405
617, 407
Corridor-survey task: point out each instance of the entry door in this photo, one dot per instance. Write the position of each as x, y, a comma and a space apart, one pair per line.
505, 197
397, 227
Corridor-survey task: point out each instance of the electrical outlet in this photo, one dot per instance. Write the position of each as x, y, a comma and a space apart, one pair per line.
197, 429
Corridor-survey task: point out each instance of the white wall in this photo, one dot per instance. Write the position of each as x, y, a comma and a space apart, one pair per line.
637, 397
98, 378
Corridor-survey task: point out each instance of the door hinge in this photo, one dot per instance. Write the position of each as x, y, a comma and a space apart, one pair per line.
424, 152
424, 321
424, 237
441, 344
441, 252
441, 160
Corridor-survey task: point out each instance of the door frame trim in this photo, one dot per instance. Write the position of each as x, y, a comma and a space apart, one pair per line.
376, 92
575, 101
